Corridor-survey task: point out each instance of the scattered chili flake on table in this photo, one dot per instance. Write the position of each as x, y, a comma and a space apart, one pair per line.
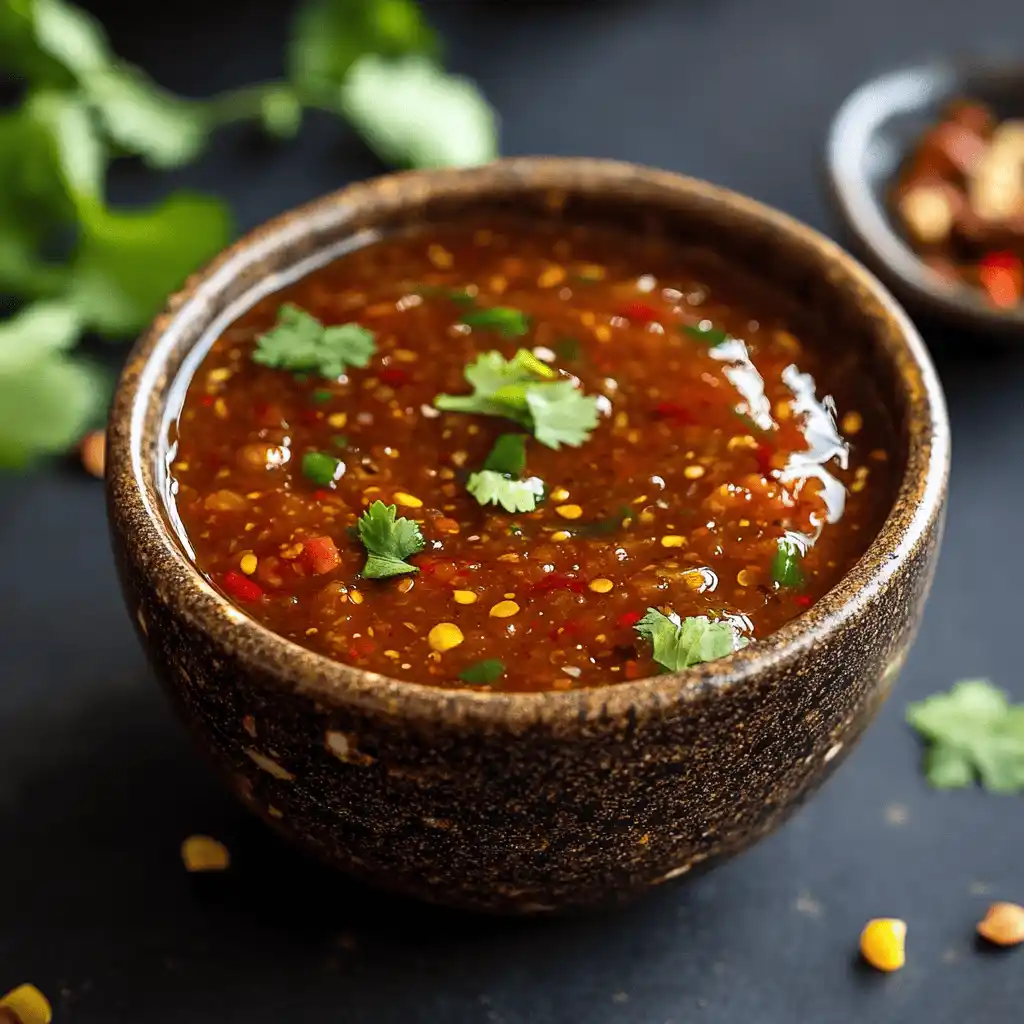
558, 457
1003, 924
960, 200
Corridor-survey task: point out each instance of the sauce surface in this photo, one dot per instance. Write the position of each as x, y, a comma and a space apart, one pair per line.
714, 443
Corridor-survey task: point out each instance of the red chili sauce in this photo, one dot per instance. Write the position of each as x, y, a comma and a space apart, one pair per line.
702, 469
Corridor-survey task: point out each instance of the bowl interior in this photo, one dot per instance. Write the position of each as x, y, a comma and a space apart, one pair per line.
872, 133
832, 297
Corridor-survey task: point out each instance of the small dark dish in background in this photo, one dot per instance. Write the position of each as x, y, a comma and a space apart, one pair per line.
526, 802
885, 135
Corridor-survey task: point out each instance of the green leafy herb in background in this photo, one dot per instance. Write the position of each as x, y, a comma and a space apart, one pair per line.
74, 266
973, 733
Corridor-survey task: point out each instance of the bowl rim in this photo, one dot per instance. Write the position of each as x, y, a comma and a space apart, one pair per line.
897, 91
135, 504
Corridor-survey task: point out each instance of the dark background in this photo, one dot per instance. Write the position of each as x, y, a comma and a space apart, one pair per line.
98, 785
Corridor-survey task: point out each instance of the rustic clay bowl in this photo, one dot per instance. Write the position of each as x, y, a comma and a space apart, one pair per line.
530, 802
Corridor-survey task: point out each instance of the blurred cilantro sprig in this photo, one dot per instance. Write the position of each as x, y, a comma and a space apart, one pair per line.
74, 266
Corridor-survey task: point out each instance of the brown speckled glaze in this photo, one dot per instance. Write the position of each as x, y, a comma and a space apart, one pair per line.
532, 802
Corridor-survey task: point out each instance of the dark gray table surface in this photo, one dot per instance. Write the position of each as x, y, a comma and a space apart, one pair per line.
98, 785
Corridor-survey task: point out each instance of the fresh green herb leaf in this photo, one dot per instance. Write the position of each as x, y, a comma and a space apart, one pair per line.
490, 670
142, 119
69, 35
321, 468
46, 405
321, 396
489, 487
128, 262
329, 36
412, 113
972, 732
787, 564
680, 644
509, 322
525, 390
300, 343
508, 455
340, 441
561, 414
709, 335
388, 541
568, 350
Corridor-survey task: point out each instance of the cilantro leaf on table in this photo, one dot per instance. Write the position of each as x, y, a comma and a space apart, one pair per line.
299, 342
490, 487
388, 541
681, 643
973, 733
412, 113
525, 390
490, 670
129, 261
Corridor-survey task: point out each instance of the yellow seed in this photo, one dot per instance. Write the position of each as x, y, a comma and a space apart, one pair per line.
408, 500
504, 609
554, 275
220, 409
1003, 924
511, 597
593, 271
851, 423
747, 577
337, 419
498, 284
559, 494
394, 655
439, 256
355, 597
219, 375
569, 511
693, 472
673, 540
603, 333
464, 597
248, 563
783, 410
559, 535
646, 516
741, 441
444, 636
405, 586
601, 586
788, 343
858, 485
275, 812
694, 579
203, 853
28, 1005
882, 943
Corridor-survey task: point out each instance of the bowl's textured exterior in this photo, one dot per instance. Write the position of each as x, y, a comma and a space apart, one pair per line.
531, 802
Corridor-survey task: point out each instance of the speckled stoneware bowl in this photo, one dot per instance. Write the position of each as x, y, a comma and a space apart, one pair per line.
530, 802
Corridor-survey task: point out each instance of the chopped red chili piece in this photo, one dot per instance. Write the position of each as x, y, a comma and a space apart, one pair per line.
639, 312
394, 376
675, 412
803, 600
206, 400
361, 647
627, 620
1002, 275
240, 587
321, 555
632, 670
763, 453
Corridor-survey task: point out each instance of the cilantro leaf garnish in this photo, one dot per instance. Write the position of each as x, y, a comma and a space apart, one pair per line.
682, 643
710, 335
973, 732
321, 468
300, 343
569, 350
487, 486
388, 541
509, 322
526, 390
490, 670
508, 455
787, 569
